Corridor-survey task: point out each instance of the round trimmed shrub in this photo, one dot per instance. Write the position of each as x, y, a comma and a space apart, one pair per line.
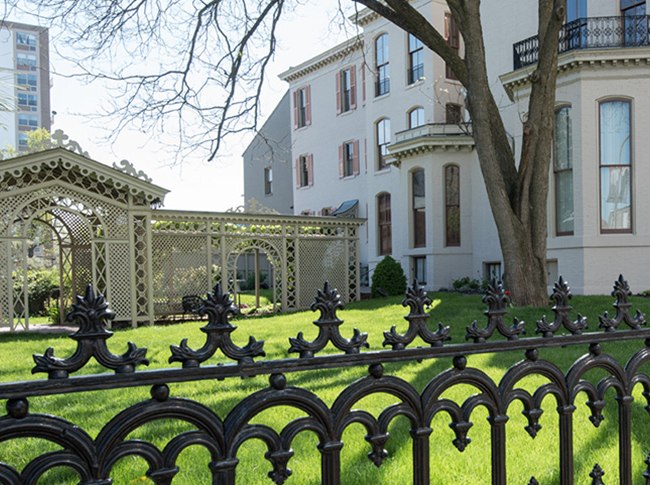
388, 279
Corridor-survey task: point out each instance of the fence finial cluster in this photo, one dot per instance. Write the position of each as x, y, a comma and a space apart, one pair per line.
561, 296
416, 299
497, 301
91, 313
218, 306
328, 301
622, 293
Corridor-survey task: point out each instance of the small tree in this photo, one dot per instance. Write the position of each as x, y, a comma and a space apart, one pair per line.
388, 279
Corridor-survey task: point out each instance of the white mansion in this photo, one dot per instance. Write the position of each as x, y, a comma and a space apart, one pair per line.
379, 131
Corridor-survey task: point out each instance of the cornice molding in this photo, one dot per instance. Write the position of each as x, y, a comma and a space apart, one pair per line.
334, 54
579, 59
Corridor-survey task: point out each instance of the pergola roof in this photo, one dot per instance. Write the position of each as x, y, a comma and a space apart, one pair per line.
133, 183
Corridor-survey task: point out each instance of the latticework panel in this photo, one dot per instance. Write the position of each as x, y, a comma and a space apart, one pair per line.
353, 264
108, 220
141, 265
119, 279
216, 260
6, 282
65, 171
82, 268
320, 261
180, 268
290, 276
99, 266
19, 278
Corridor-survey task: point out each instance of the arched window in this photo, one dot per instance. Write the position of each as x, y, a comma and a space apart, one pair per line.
384, 224
418, 208
416, 117
615, 166
452, 205
383, 140
381, 65
563, 172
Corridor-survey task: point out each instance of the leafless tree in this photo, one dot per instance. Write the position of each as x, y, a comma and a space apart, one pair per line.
211, 58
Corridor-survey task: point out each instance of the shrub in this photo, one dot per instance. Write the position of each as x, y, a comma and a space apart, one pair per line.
388, 278
469, 285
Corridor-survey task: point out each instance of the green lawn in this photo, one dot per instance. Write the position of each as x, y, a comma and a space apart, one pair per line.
526, 457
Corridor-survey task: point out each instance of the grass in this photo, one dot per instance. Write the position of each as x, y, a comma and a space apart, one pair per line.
526, 457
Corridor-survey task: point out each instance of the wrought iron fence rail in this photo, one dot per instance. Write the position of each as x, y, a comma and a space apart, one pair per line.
145, 377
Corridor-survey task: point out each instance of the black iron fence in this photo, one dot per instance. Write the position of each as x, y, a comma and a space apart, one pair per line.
93, 458
589, 33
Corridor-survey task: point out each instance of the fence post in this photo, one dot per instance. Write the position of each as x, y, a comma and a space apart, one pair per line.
566, 443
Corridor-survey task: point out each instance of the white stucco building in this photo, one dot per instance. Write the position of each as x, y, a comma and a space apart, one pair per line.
24, 82
380, 120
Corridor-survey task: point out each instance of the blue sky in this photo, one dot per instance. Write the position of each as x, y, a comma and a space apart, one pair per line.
195, 184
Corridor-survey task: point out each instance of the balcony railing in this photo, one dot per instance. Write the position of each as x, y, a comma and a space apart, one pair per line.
589, 33
434, 130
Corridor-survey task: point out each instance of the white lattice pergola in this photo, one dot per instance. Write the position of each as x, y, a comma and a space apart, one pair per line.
145, 259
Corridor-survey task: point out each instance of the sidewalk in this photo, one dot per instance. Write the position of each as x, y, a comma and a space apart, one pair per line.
41, 329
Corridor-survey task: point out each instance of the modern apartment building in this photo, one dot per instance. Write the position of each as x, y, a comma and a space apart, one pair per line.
24, 82
378, 126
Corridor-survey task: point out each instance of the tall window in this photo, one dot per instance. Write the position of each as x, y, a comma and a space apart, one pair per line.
381, 65
416, 117
563, 170
384, 224
302, 107
416, 59
383, 140
576, 9
346, 90
452, 205
349, 159
305, 171
417, 202
615, 167
453, 114
268, 181
453, 40
635, 22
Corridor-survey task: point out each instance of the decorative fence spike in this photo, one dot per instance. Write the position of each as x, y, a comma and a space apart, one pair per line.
561, 296
621, 293
416, 299
597, 475
218, 307
91, 313
327, 302
533, 481
497, 301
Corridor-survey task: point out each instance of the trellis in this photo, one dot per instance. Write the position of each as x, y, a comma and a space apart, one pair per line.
111, 233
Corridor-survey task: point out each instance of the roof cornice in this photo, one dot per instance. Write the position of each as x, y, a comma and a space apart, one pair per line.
334, 54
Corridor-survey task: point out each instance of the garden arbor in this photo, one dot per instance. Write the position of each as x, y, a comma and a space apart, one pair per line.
110, 232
